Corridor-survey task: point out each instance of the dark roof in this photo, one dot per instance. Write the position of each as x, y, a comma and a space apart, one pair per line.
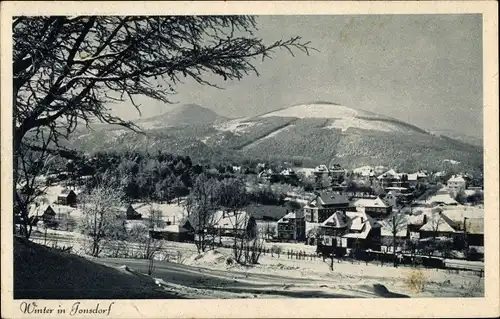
65, 193
266, 212
49, 211
328, 199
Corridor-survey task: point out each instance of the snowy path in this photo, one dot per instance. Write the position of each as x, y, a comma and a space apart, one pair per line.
199, 282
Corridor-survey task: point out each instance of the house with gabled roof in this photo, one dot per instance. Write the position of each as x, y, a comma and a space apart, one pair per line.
322, 206
348, 230
438, 225
291, 227
268, 175
374, 207
43, 212
67, 197
337, 173
418, 178
132, 214
391, 178
230, 223
456, 183
318, 209
364, 232
173, 233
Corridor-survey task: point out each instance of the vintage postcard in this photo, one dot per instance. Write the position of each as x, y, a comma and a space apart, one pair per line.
254, 159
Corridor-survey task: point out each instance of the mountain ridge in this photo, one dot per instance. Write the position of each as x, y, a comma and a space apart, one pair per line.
313, 133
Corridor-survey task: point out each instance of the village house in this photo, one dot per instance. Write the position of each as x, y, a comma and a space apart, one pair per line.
321, 170
288, 175
417, 179
337, 173
473, 219
364, 232
438, 225
442, 198
474, 228
393, 179
67, 197
456, 183
344, 231
231, 224
291, 227
320, 207
236, 169
375, 208
323, 205
391, 198
43, 212
173, 233
330, 234
132, 214
367, 177
268, 175
49, 215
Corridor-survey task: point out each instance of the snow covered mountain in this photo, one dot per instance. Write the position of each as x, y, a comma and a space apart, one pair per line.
318, 132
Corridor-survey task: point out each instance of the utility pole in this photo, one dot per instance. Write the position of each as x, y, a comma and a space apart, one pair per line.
465, 234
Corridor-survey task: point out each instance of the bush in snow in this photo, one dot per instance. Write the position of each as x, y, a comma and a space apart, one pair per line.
415, 280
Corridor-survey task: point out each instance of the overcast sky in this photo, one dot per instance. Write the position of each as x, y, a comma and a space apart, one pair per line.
422, 69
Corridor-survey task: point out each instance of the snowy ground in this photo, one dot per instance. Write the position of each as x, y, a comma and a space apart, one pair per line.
208, 276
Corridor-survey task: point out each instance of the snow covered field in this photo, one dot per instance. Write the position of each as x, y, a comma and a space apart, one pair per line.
209, 276
236, 126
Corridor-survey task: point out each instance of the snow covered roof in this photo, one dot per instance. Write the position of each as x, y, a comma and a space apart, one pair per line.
390, 173
66, 192
230, 220
459, 212
474, 225
321, 168
456, 179
439, 222
327, 199
39, 210
394, 188
369, 202
367, 227
168, 211
413, 176
336, 220
442, 198
291, 215
360, 225
336, 167
362, 169
172, 229
287, 171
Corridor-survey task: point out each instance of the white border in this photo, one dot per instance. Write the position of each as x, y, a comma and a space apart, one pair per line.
289, 308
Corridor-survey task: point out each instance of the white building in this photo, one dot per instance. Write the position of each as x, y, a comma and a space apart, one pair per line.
456, 183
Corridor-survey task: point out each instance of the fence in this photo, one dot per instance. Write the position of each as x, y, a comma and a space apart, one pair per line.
128, 250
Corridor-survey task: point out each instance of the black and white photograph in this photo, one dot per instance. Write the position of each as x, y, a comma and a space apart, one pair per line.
257, 156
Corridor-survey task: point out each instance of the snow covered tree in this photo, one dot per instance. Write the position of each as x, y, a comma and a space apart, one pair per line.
200, 206
102, 217
398, 224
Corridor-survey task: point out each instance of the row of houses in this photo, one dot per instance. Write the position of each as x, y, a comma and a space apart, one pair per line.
331, 221
329, 215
